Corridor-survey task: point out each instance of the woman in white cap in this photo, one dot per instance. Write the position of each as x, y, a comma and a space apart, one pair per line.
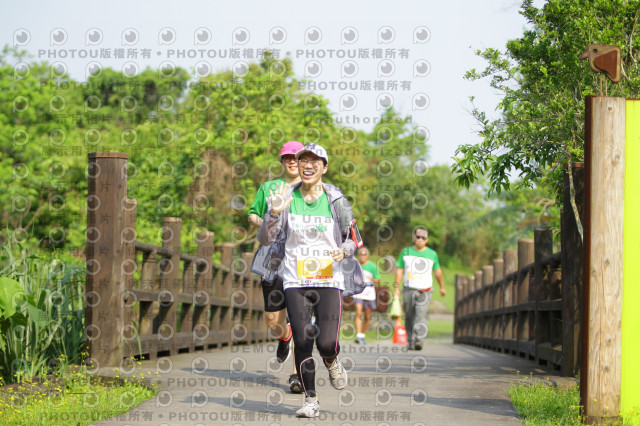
272, 290
308, 227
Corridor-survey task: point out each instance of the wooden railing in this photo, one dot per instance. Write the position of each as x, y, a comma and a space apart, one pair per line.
528, 302
514, 310
147, 300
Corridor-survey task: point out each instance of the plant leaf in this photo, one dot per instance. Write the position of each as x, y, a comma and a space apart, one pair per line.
10, 291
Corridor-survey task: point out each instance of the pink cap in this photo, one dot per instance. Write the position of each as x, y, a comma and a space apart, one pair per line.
291, 147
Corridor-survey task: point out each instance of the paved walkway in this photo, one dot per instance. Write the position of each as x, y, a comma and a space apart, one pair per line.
444, 384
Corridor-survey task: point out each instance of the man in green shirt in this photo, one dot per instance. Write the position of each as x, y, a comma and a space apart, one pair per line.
272, 287
414, 268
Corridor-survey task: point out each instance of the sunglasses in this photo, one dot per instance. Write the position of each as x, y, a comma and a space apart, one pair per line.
421, 237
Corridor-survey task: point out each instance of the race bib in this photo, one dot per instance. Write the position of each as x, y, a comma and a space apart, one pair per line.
369, 293
314, 269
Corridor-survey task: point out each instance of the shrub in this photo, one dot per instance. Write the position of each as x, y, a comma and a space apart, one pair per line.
41, 313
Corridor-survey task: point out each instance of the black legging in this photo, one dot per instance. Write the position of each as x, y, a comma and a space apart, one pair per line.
326, 304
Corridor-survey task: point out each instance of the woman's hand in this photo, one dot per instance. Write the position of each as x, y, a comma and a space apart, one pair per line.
338, 254
277, 199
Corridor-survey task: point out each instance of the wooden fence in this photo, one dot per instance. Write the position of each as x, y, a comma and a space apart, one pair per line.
514, 309
147, 300
527, 303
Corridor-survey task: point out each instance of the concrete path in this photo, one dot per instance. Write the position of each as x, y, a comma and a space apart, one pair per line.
444, 384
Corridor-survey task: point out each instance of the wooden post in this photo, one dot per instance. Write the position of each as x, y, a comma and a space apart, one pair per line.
525, 257
540, 326
498, 275
148, 317
204, 288
170, 284
457, 313
467, 309
510, 265
467, 290
257, 331
204, 271
107, 187
600, 372
487, 281
128, 269
498, 303
148, 280
226, 259
185, 332
458, 289
224, 292
481, 321
472, 288
571, 249
479, 287
247, 284
472, 325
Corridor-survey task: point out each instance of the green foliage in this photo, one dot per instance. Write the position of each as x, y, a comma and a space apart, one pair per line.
544, 82
632, 417
199, 149
41, 313
71, 398
539, 403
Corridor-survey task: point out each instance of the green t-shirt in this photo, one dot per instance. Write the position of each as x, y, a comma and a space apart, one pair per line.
370, 271
318, 207
260, 205
418, 267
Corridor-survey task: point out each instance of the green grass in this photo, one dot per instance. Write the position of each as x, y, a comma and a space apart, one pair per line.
437, 330
77, 399
449, 276
632, 417
440, 329
539, 403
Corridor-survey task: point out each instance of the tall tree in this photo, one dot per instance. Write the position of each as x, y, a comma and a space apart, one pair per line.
544, 81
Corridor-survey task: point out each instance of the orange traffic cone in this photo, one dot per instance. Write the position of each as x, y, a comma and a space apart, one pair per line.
399, 333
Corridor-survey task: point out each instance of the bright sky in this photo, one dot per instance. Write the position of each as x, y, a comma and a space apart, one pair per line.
362, 55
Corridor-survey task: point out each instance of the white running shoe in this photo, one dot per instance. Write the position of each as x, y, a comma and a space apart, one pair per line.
337, 375
310, 408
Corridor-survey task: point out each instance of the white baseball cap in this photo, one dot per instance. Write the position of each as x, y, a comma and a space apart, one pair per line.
316, 150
